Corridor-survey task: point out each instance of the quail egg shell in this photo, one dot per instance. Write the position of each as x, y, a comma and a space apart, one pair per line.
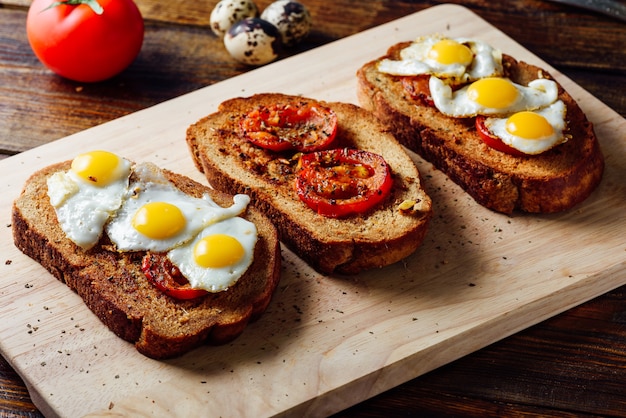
228, 12
253, 41
292, 19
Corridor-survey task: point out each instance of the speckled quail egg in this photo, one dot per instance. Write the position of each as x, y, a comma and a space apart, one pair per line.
292, 19
228, 12
253, 41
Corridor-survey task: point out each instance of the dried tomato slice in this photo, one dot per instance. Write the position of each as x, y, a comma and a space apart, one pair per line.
417, 87
304, 126
343, 182
167, 278
492, 140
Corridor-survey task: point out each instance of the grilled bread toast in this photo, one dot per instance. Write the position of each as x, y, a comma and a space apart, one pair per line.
379, 237
553, 181
114, 287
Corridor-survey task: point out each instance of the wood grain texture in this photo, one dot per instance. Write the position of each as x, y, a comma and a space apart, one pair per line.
14, 394
582, 349
527, 374
325, 343
518, 376
180, 55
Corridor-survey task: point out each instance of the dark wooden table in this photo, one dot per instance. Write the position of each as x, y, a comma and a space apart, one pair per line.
571, 365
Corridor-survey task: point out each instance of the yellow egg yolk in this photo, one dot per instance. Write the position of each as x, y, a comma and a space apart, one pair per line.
493, 92
529, 125
449, 52
97, 167
159, 220
218, 250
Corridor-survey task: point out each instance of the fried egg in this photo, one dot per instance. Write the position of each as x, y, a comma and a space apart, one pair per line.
531, 132
460, 59
218, 256
492, 96
86, 196
211, 245
157, 216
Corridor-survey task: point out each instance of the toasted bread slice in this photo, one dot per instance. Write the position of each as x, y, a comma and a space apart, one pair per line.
382, 236
116, 290
553, 181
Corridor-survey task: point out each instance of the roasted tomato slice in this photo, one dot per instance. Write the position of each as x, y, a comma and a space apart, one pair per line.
417, 87
342, 182
492, 140
304, 126
167, 278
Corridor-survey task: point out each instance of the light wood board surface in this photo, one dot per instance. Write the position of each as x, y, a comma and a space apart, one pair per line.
325, 343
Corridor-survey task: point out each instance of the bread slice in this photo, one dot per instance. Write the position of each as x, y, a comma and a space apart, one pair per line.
550, 182
115, 289
378, 238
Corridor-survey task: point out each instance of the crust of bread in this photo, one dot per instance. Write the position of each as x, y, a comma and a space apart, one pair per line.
550, 182
378, 238
115, 289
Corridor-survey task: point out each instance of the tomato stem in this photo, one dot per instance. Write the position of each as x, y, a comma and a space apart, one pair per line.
95, 6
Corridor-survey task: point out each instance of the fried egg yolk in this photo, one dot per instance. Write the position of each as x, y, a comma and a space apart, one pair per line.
157, 216
529, 125
87, 195
457, 61
448, 51
492, 92
217, 251
531, 132
492, 96
98, 168
159, 220
218, 256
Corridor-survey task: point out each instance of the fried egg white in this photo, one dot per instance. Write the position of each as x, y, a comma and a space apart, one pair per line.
492, 96
460, 59
88, 194
531, 132
218, 256
157, 216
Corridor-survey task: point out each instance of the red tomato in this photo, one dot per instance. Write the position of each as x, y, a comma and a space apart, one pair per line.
167, 278
305, 126
417, 88
72, 40
343, 182
492, 140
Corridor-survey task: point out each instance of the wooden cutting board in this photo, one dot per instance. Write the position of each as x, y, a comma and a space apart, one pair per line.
325, 343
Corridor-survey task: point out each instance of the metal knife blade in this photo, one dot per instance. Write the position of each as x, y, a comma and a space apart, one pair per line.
611, 8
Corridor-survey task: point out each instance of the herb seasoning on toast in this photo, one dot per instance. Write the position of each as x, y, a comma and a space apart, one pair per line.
305, 126
164, 262
502, 129
347, 216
